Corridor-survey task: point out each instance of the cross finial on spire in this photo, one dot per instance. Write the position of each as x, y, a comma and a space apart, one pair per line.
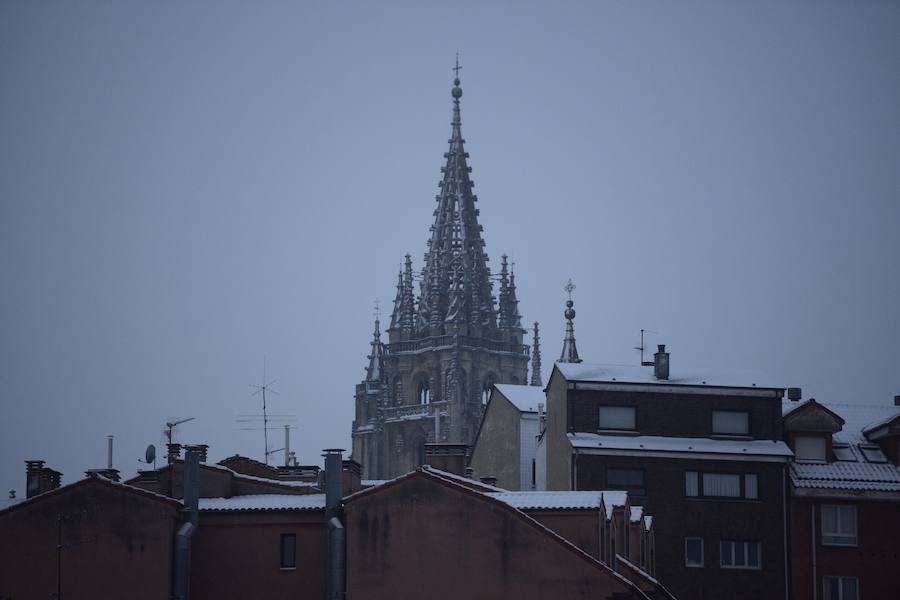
570, 287
377, 312
457, 68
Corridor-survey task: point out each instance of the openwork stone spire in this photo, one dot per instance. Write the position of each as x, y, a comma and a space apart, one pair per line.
569, 351
456, 265
376, 358
444, 348
536, 357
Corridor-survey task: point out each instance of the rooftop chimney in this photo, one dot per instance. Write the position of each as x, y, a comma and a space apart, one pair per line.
661, 363
12, 494
173, 452
109, 452
794, 394
333, 500
199, 449
470, 473
39, 479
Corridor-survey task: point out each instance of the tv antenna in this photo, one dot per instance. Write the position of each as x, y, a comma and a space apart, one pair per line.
170, 425
261, 390
642, 347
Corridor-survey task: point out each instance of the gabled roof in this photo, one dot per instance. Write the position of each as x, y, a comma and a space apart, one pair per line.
524, 397
264, 502
654, 443
562, 500
88, 481
635, 374
457, 483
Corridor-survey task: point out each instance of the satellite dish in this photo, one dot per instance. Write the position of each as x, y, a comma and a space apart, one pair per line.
150, 454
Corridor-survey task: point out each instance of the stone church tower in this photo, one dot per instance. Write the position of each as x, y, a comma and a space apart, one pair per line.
447, 344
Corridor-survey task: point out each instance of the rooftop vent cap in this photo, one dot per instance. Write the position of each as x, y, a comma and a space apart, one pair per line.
661, 363
794, 394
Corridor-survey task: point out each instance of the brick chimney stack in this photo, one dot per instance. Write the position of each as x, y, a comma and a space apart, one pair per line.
661, 362
40, 479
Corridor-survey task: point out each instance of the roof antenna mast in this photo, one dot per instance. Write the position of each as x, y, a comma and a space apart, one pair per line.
642, 347
262, 389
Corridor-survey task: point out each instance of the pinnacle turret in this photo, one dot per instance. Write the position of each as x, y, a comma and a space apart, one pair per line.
536, 357
376, 358
569, 351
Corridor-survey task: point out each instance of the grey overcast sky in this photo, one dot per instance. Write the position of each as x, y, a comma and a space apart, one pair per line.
188, 187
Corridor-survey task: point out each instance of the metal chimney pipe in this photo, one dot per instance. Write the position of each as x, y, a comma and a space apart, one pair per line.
336, 536
182, 576
109, 452
287, 445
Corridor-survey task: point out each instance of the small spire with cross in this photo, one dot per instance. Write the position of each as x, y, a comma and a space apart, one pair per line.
377, 311
569, 288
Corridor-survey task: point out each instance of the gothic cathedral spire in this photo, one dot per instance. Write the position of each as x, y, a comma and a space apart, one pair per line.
445, 347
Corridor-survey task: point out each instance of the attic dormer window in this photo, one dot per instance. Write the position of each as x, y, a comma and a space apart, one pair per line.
843, 453
872, 453
809, 449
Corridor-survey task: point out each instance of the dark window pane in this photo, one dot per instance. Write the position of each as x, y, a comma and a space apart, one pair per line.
753, 554
848, 588
288, 550
694, 552
628, 478
739, 554
725, 548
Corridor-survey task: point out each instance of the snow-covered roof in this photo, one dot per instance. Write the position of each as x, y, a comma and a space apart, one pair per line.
264, 502
650, 443
367, 483
858, 417
677, 375
524, 397
7, 502
850, 476
637, 512
479, 485
562, 500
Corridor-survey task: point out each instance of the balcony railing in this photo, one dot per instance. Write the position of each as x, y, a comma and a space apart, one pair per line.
413, 411
446, 341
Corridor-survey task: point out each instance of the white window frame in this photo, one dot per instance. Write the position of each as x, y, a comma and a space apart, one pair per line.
840, 579
746, 565
840, 537
744, 433
687, 561
618, 411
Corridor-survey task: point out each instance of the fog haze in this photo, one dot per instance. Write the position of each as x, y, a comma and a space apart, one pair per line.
187, 188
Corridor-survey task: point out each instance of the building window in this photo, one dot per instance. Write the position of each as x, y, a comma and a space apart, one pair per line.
839, 525
631, 480
739, 555
841, 588
721, 485
809, 449
288, 551
692, 484
730, 422
422, 394
617, 417
751, 486
693, 552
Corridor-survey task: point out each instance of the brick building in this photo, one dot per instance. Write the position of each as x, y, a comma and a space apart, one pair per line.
845, 500
702, 452
261, 536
